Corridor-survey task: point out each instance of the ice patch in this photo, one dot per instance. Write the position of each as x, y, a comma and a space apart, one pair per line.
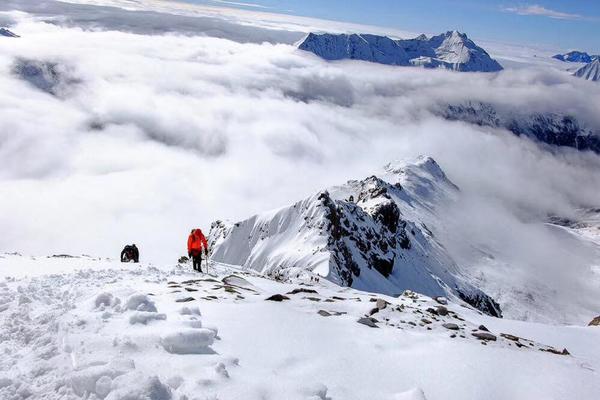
140, 302
143, 317
193, 341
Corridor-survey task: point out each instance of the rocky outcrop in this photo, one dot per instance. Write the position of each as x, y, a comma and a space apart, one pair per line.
595, 322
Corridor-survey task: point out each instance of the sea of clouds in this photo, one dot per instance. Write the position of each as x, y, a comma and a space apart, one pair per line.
138, 135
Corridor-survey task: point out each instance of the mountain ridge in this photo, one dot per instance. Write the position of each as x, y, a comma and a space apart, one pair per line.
451, 50
370, 235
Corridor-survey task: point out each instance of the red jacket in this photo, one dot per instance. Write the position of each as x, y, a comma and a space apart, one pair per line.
197, 242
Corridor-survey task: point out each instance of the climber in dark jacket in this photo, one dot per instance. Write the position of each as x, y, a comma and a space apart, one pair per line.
130, 253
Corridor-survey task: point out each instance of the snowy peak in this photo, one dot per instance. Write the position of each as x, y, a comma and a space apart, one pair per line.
379, 49
591, 71
370, 234
451, 50
5, 32
576, 57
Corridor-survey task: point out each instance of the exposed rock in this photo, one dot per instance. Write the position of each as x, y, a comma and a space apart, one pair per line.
442, 300
595, 322
483, 328
441, 310
277, 297
510, 337
302, 290
374, 310
484, 336
185, 300
370, 322
451, 326
381, 304
324, 313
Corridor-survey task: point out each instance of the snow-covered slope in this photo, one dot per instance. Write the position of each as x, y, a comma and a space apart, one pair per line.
451, 50
576, 57
371, 235
134, 332
591, 71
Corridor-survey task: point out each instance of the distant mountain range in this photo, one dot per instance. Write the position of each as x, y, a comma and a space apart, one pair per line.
451, 50
590, 71
550, 128
576, 57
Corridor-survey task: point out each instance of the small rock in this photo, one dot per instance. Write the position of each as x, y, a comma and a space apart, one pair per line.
441, 310
451, 326
595, 321
190, 289
484, 336
185, 300
374, 311
381, 304
312, 298
483, 328
432, 311
441, 300
510, 337
370, 322
324, 313
302, 290
425, 321
277, 297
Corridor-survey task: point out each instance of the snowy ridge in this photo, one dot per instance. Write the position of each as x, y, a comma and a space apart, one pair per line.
371, 235
576, 57
591, 71
451, 50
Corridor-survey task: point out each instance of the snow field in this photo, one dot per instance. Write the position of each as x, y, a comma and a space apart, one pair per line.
80, 336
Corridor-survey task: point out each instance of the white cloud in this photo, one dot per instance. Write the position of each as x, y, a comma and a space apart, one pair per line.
542, 11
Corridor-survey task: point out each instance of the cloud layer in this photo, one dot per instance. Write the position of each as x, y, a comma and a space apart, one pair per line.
147, 136
542, 11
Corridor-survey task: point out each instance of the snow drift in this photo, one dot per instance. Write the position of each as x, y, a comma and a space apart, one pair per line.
451, 50
371, 235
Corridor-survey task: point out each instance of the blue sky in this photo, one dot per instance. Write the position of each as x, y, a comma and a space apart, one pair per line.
562, 24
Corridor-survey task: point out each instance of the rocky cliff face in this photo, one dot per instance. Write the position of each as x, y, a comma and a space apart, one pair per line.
451, 50
370, 234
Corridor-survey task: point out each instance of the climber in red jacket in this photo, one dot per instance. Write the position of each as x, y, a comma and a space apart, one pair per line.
196, 244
